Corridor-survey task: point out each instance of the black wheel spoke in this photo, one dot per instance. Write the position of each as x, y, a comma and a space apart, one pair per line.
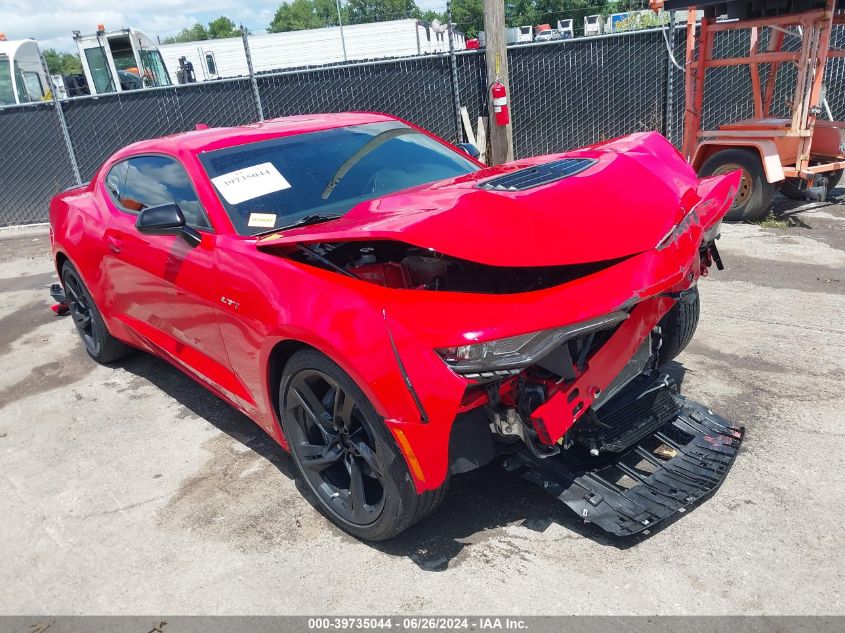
320, 457
72, 290
81, 317
357, 497
313, 408
343, 406
369, 457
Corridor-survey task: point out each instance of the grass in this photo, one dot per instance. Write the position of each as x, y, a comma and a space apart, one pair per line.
772, 221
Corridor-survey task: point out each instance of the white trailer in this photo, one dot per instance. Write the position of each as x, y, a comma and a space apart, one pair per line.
22, 78
526, 34
593, 25
216, 59
115, 61
566, 29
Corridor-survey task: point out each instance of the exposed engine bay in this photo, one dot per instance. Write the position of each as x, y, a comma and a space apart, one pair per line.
398, 265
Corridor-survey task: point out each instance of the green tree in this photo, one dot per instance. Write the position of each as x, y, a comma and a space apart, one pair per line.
521, 12
62, 63
305, 14
216, 29
363, 11
194, 33
223, 27
468, 15
430, 15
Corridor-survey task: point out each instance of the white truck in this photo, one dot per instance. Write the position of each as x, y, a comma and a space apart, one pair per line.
566, 29
593, 25
22, 78
217, 59
120, 60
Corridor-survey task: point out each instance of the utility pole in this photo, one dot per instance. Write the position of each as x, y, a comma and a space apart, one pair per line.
459, 134
342, 39
501, 136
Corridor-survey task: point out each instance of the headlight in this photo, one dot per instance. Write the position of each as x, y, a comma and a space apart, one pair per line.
516, 352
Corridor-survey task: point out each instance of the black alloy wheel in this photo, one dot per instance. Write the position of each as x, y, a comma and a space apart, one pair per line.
99, 343
80, 305
335, 447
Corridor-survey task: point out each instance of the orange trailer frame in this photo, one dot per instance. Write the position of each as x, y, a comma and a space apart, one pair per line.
792, 143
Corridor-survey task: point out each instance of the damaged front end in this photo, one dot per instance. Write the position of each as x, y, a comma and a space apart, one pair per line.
557, 359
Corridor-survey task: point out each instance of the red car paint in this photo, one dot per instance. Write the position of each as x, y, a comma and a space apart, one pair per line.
218, 311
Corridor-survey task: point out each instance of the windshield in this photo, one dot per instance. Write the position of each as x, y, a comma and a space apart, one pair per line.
274, 184
7, 93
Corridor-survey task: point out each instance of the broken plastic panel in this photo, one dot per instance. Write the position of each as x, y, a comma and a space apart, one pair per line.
659, 476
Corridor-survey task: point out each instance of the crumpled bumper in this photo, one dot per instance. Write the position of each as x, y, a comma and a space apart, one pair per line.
661, 475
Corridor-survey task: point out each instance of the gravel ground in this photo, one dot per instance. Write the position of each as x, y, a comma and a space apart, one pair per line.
132, 490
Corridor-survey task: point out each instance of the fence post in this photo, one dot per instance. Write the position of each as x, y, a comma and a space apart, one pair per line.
255, 93
459, 134
669, 110
57, 105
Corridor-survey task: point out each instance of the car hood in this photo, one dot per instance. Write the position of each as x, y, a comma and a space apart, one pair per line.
636, 191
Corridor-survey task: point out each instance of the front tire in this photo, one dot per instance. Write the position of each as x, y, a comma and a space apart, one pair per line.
678, 326
344, 452
100, 345
755, 195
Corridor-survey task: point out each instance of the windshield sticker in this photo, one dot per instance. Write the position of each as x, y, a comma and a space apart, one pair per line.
264, 220
250, 182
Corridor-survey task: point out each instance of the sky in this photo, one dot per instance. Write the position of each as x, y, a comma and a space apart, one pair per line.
52, 21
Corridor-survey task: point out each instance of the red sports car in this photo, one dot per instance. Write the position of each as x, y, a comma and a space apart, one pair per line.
393, 312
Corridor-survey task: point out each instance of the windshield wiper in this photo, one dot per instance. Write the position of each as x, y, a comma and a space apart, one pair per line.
315, 218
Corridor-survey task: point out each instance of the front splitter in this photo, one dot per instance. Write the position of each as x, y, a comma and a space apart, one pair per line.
662, 475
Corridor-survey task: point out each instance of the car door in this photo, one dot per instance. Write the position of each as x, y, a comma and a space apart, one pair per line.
160, 286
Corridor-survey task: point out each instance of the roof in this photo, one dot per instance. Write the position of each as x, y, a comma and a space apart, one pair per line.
213, 138
11, 47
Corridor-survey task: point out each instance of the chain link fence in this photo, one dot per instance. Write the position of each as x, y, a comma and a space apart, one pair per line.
563, 95
586, 90
34, 163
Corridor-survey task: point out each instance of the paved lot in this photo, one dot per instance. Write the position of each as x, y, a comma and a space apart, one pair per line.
133, 490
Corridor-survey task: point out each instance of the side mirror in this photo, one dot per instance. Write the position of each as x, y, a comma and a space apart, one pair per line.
470, 149
167, 219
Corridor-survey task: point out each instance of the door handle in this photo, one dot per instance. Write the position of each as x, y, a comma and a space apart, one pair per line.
115, 243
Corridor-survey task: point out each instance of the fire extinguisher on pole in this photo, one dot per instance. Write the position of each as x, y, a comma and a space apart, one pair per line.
500, 102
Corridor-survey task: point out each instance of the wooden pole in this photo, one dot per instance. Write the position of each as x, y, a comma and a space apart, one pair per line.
501, 136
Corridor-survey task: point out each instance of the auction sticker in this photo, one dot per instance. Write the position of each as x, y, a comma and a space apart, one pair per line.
250, 182
266, 220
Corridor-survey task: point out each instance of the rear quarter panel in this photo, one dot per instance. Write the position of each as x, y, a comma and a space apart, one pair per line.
78, 222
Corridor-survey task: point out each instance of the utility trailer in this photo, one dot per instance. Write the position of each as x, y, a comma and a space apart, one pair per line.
120, 60
785, 145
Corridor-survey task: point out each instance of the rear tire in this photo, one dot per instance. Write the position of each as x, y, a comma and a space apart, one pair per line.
336, 439
678, 326
755, 195
100, 345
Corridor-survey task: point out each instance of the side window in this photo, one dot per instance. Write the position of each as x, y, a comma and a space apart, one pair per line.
100, 71
155, 180
115, 181
210, 64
